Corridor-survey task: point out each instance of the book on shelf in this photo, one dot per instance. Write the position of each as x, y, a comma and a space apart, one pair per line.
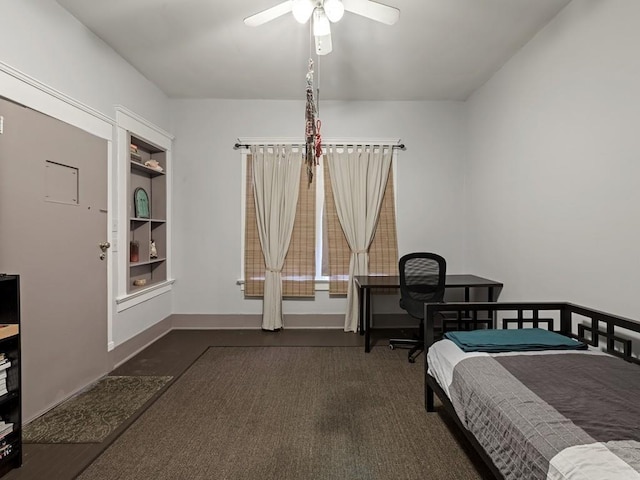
9, 330
6, 431
4, 365
6, 450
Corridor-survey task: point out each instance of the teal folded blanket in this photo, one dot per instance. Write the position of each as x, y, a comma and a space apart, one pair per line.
520, 340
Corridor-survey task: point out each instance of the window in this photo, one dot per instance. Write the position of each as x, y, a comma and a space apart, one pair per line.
318, 253
298, 272
383, 252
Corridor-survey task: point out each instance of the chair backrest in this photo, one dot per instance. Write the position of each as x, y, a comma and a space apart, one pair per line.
422, 280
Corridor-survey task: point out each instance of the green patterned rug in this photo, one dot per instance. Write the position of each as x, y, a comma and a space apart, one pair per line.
92, 415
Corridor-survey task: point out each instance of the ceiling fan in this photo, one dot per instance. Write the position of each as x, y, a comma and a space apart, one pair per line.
324, 12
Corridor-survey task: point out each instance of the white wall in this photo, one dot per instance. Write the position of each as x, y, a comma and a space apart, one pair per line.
208, 180
551, 143
41, 41
554, 163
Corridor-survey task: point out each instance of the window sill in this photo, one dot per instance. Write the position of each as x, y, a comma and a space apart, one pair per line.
132, 299
322, 285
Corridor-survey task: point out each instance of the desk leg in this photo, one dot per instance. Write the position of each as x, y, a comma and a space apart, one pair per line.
367, 329
361, 310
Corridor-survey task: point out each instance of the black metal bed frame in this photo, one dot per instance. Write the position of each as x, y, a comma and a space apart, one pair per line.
599, 329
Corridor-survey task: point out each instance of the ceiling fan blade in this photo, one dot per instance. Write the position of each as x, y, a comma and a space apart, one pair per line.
268, 14
323, 45
373, 10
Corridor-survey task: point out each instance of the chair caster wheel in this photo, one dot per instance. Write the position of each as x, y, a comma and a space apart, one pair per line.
391, 347
412, 360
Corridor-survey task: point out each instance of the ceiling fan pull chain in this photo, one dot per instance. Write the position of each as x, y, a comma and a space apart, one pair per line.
317, 85
311, 39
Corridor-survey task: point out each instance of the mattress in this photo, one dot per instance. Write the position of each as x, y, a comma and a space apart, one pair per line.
572, 415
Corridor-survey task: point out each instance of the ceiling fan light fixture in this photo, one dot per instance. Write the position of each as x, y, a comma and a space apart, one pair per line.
302, 10
323, 45
321, 26
334, 10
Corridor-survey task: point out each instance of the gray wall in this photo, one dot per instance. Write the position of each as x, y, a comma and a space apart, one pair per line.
50, 62
554, 163
41, 40
533, 181
208, 180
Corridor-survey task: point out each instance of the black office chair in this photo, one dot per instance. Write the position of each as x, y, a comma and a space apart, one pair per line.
422, 280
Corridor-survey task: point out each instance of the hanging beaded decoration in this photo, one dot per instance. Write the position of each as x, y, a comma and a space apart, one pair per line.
318, 141
310, 125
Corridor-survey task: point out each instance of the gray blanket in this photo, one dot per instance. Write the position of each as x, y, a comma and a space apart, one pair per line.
525, 409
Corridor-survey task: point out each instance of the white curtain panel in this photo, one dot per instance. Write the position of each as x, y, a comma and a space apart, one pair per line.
358, 178
276, 184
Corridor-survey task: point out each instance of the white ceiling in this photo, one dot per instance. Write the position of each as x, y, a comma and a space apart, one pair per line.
438, 50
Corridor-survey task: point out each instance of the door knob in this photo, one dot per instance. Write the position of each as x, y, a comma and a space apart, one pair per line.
104, 245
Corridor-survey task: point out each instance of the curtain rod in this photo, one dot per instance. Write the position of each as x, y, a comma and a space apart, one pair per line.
237, 146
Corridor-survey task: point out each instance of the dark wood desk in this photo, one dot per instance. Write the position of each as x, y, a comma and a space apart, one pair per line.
367, 283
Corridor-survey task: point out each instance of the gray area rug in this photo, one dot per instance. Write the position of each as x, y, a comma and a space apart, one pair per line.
91, 416
274, 413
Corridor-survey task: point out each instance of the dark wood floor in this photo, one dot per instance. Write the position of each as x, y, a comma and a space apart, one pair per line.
171, 355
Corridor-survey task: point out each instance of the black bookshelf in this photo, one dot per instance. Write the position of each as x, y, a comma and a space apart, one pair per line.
10, 376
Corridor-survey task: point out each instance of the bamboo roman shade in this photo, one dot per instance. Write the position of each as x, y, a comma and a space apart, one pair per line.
298, 272
383, 252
